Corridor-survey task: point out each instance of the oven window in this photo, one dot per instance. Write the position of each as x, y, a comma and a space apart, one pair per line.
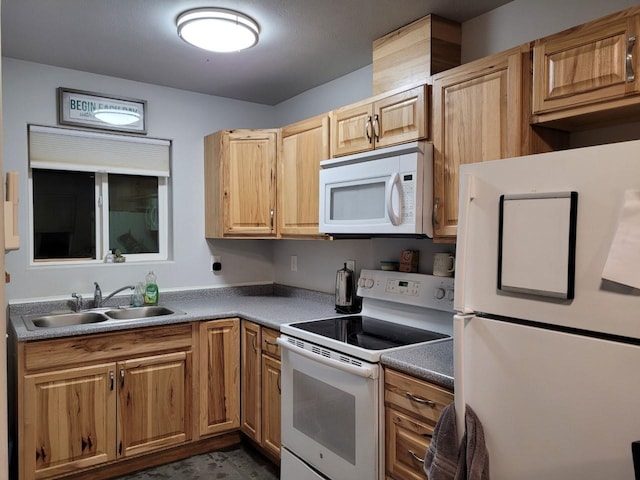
359, 202
325, 414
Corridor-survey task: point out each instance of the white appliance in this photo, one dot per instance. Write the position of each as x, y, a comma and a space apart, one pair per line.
331, 381
547, 352
382, 192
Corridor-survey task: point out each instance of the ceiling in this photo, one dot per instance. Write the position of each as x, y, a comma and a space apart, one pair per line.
303, 43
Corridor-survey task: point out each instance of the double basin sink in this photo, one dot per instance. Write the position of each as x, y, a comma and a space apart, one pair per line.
70, 319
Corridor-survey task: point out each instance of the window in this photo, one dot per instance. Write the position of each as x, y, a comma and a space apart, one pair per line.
95, 192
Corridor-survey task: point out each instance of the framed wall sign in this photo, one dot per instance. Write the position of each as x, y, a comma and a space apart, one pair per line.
105, 112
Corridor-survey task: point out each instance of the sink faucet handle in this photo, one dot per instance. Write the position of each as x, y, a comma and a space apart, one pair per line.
78, 298
97, 296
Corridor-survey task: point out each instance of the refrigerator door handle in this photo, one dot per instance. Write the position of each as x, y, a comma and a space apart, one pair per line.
467, 195
459, 323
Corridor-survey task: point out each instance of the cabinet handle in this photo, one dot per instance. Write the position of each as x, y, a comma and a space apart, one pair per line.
366, 129
254, 344
120, 448
631, 76
269, 342
415, 457
112, 378
376, 132
278, 384
271, 213
436, 204
421, 400
122, 378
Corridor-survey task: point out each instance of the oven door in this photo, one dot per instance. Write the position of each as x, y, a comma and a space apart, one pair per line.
330, 415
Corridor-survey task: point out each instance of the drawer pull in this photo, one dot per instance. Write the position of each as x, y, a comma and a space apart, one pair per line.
366, 129
415, 457
269, 342
423, 401
631, 76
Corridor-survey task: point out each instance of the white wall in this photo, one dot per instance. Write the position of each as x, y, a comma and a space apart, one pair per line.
29, 96
522, 21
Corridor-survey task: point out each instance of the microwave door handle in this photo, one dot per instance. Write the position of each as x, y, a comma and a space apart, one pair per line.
391, 183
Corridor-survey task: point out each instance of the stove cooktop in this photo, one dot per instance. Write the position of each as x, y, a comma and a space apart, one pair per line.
367, 332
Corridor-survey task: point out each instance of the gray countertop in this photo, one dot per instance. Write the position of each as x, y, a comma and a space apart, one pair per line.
268, 305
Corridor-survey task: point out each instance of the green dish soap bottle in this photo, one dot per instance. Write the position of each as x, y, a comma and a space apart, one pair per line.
151, 290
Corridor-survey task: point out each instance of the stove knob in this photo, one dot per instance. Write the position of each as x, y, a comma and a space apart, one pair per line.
368, 283
440, 293
361, 282
450, 294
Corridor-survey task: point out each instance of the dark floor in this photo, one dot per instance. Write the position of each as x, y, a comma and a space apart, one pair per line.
241, 463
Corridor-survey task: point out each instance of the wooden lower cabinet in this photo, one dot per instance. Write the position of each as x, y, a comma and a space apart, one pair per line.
219, 376
260, 404
412, 409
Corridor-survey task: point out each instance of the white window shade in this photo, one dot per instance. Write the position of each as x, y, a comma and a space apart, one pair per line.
63, 149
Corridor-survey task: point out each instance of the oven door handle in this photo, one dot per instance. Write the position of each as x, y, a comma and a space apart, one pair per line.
362, 371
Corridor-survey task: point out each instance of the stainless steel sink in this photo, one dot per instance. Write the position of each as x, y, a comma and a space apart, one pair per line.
131, 313
64, 319
70, 319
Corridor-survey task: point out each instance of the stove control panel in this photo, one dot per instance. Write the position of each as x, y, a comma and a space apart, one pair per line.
409, 288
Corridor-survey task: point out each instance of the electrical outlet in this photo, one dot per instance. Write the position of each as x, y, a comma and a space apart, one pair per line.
351, 265
294, 263
216, 263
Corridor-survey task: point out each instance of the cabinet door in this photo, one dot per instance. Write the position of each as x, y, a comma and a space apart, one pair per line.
594, 63
249, 182
406, 446
154, 402
69, 420
351, 129
250, 401
477, 116
400, 118
271, 405
219, 376
304, 146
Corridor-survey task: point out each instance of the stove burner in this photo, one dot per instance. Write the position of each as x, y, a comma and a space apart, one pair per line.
367, 332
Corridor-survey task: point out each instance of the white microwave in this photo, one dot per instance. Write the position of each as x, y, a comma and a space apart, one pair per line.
382, 192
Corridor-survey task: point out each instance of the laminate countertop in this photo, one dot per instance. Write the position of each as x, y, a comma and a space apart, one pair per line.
267, 305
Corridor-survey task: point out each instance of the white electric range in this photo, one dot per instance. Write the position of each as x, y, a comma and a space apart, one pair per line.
331, 378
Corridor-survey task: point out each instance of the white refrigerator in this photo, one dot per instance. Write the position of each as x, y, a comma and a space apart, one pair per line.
547, 294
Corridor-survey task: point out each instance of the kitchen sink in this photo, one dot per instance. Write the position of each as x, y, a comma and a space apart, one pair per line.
70, 319
130, 313
64, 319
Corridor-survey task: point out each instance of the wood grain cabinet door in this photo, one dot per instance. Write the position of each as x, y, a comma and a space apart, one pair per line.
401, 118
304, 145
407, 442
154, 402
271, 405
477, 116
249, 182
351, 129
250, 397
590, 64
69, 420
219, 376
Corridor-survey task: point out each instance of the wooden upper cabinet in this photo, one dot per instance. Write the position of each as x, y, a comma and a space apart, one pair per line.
303, 146
154, 404
583, 72
71, 420
219, 376
240, 183
381, 121
479, 112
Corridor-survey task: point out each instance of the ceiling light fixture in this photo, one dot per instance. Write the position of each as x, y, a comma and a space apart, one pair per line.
217, 29
114, 116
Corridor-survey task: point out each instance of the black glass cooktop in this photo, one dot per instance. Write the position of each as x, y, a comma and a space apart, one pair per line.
367, 332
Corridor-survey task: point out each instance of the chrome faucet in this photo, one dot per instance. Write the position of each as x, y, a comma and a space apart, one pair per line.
98, 301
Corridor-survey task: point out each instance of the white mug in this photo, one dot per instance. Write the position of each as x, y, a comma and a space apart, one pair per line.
444, 264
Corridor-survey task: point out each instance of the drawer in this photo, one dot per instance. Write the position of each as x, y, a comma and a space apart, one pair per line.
269, 344
418, 398
407, 441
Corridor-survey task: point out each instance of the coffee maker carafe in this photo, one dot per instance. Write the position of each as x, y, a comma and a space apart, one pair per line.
346, 299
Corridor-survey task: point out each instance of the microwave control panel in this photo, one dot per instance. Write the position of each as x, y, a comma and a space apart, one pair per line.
408, 188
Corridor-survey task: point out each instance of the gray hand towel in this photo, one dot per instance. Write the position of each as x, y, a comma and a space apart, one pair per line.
446, 459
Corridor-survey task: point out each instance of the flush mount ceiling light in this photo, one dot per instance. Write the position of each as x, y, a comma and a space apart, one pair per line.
217, 29
114, 116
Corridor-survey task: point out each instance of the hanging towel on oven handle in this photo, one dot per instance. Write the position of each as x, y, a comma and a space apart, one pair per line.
446, 459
